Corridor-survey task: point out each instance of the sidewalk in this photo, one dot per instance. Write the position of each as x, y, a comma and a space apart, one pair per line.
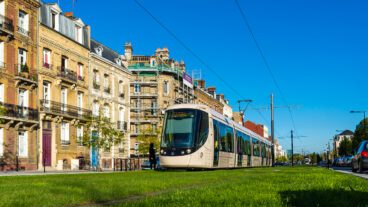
30, 173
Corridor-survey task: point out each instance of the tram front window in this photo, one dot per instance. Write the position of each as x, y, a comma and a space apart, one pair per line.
185, 128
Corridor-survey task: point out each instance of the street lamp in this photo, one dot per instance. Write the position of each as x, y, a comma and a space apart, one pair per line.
361, 112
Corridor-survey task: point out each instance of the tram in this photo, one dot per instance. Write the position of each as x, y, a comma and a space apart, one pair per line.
197, 137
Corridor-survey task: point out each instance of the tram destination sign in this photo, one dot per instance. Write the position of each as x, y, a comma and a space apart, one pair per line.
187, 80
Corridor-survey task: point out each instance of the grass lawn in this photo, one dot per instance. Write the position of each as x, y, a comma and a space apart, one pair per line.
284, 186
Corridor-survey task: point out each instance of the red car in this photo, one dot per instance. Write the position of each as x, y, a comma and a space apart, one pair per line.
360, 160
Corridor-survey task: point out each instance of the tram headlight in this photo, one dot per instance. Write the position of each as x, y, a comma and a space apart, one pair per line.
162, 151
182, 152
189, 151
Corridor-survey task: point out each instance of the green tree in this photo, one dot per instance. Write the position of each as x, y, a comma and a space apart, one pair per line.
146, 137
282, 159
359, 134
101, 134
345, 147
2, 112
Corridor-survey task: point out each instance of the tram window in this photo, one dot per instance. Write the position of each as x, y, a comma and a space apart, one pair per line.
202, 128
263, 150
247, 146
240, 141
216, 134
230, 139
255, 147
223, 137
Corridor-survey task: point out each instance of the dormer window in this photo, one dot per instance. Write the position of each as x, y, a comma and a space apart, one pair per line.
55, 20
78, 34
99, 50
118, 61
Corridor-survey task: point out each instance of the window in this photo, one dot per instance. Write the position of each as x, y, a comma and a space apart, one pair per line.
78, 34
46, 58
166, 87
22, 98
64, 99
2, 52
65, 133
55, 20
1, 142
46, 94
80, 72
23, 144
2, 98
96, 79
137, 88
2, 7
107, 84
95, 108
263, 151
106, 111
80, 102
64, 63
80, 135
121, 89
22, 60
23, 22
154, 108
226, 138
121, 114
256, 148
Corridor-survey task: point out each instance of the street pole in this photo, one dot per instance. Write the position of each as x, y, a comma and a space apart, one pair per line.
241, 114
365, 132
292, 148
328, 155
272, 131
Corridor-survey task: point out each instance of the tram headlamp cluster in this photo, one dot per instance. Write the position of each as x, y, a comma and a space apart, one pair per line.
182, 152
189, 151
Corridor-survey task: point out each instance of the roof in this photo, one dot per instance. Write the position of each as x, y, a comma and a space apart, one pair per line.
346, 132
106, 52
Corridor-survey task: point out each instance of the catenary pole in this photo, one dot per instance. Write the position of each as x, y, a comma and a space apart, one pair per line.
292, 148
272, 131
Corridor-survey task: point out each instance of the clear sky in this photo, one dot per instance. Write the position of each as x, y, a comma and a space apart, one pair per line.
318, 51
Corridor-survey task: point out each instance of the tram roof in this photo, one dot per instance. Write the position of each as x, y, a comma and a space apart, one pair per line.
220, 117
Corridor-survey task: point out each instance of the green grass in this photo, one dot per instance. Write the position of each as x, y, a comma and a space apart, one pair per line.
299, 186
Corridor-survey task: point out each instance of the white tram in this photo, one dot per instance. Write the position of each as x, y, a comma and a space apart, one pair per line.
196, 136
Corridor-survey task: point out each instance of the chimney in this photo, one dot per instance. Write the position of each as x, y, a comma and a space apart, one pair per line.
220, 97
201, 84
68, 14
212, 90
128, 51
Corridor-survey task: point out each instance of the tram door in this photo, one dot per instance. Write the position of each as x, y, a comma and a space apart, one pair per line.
239, 149
216, 150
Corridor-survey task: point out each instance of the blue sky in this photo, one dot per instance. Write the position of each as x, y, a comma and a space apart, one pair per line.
317, 50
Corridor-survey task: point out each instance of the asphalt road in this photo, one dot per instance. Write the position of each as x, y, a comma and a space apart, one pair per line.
347, 170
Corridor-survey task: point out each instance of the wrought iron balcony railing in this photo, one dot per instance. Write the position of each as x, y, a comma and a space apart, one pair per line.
47, 65
6, 23
23, 31
122, 125
19, 112
67, 74
63, 109
22, 70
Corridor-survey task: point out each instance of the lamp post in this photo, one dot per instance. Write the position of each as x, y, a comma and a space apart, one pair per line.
361, 112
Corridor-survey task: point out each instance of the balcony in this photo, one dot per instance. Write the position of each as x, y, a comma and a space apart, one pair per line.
80, 78
6, 25
121, 95
58, 108
19, 112
144, 95
47, 66
122, 125
67, 75
23, 75
23, 31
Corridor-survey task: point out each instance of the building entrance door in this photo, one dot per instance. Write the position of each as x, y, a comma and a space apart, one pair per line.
46, 147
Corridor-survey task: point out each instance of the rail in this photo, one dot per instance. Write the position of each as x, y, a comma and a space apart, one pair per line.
6, 23
67, 73
64, 109
19, 112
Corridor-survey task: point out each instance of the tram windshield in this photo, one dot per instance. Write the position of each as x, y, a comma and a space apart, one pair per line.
185, 128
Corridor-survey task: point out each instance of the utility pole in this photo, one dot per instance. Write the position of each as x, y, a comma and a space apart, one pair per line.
328, 155
292, 148
241, 112
272, 131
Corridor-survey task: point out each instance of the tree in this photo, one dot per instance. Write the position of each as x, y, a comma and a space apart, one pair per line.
282, 159
2, 112
146, 137
345, 147
100, 134
359, 134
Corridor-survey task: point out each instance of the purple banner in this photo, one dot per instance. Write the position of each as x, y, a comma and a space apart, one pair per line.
187, 80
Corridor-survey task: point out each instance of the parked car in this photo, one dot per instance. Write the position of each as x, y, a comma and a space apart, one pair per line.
359, 161
146, 164
347, 161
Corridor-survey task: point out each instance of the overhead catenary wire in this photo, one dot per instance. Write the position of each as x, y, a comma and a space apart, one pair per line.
186, 47
264, 59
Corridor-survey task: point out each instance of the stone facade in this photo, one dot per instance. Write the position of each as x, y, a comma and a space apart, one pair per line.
18, 84
157, 83
110, 94
63, 89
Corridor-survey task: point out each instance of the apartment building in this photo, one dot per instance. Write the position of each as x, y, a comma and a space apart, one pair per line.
207, 96
64, 46
18, 84
158, 82
109, 90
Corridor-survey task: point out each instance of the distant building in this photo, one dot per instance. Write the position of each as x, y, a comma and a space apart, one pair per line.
207, 96
346, 134
227, 110
259, 129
